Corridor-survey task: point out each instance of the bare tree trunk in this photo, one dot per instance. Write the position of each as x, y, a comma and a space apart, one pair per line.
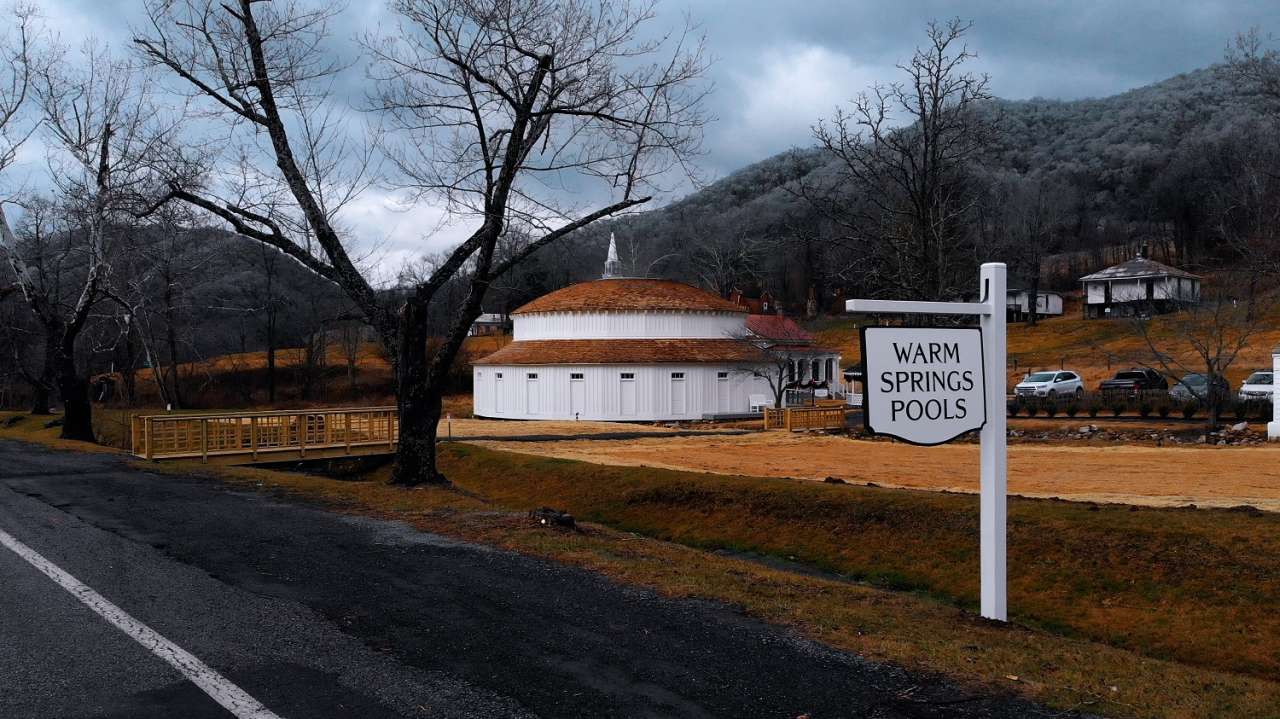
77, 417
171, 339
420, 402
271, 361
41, 385
39, 398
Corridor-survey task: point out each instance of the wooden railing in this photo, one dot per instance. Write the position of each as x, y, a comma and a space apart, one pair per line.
247, 437
797, 419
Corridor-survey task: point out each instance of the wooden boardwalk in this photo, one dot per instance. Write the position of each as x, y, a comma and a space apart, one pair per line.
261, 437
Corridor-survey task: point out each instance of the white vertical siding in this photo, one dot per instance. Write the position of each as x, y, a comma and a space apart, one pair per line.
628, 325
551, 396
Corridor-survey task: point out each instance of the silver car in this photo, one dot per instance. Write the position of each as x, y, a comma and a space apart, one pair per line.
1257, 387
1058, 384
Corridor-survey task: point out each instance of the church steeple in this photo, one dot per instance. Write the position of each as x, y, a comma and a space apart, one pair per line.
612, 265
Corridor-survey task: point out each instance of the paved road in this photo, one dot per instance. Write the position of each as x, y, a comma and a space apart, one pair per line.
317, 615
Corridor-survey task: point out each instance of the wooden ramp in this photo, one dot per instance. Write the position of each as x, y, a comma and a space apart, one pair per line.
261, 437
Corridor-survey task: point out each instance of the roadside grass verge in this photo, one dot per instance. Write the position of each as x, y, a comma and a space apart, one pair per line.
1148, 613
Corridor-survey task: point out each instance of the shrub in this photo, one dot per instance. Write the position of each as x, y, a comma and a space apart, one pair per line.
1031, 409
1144, 408
1072, 409
1241, 410
1189, 409
1013, 408
1264, 410
1163, 409
1117, 408
1050, 408
1093, 409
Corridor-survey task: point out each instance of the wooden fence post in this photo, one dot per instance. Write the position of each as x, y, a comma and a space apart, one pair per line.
253, 436
204, 441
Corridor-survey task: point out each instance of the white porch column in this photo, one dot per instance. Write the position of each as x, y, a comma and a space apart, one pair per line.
1273, 427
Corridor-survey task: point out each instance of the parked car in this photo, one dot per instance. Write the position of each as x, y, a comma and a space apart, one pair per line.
1257, 387
1132, 382
1195, 387
1050, 385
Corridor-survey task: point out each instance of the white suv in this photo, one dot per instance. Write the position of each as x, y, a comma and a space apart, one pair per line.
1052, 385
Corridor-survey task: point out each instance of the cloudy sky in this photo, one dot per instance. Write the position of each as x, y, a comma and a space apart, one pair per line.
779, 66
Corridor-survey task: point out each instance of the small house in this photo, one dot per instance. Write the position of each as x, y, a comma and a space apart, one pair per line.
1138, 286
1018, 303
490, 324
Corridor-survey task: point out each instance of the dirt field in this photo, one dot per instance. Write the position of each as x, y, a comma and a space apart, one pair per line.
1152, 476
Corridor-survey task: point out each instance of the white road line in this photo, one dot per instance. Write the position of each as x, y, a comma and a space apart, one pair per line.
231, 697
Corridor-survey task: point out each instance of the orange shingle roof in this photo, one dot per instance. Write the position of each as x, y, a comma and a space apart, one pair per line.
659, 351
628, 294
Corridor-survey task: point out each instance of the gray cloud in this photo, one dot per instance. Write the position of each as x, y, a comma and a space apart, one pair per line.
783, 65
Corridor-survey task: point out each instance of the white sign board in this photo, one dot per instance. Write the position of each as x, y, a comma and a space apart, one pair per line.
924, 385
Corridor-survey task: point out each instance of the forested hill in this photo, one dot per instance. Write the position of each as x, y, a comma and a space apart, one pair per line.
1131, 161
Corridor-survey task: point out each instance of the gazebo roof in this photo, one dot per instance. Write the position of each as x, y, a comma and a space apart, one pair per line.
1137, 268
628, 294
623, 351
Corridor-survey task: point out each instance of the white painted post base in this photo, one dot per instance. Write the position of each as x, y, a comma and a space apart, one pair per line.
1273, 427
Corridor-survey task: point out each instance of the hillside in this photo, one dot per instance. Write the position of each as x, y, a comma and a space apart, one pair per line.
1132, 165
1094, 348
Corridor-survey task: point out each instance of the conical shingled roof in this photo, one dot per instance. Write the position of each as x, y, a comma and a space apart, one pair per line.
629, 294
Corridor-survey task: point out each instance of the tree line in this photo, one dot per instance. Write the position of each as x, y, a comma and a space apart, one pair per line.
216, 142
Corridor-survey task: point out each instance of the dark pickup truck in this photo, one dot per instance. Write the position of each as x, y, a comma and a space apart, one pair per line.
1132, 382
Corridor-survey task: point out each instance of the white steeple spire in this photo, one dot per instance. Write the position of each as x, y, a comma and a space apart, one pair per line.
612, 265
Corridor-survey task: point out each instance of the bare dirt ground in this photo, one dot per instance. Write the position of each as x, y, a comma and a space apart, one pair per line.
1151, 476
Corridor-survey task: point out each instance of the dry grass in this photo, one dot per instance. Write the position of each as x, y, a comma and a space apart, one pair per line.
1088, 472
1184, 601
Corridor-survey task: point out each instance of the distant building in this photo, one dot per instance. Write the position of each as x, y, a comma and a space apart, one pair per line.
489, 324
762, 305
1138, 286
636, 349
1018, 303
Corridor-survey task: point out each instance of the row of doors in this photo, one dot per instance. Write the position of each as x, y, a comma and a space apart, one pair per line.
626, 394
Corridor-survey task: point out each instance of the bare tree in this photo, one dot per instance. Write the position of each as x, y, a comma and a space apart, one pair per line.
724, 255
486, 101
1022, 217
903, 151
94, 110
21, 61
1204, 338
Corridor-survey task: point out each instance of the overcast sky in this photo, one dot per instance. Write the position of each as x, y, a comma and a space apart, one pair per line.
782, 65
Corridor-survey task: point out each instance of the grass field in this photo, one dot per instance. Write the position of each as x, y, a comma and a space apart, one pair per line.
1080, 471
1120, 611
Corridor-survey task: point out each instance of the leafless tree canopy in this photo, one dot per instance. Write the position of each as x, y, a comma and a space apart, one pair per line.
903, 152
543, 90
483, 104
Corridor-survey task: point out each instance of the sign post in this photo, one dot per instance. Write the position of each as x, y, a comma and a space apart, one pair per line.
930, 385
1273, 427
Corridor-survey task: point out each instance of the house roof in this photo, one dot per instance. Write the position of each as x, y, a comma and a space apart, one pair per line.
628, 293
778, 329
1138, 267
611, 351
